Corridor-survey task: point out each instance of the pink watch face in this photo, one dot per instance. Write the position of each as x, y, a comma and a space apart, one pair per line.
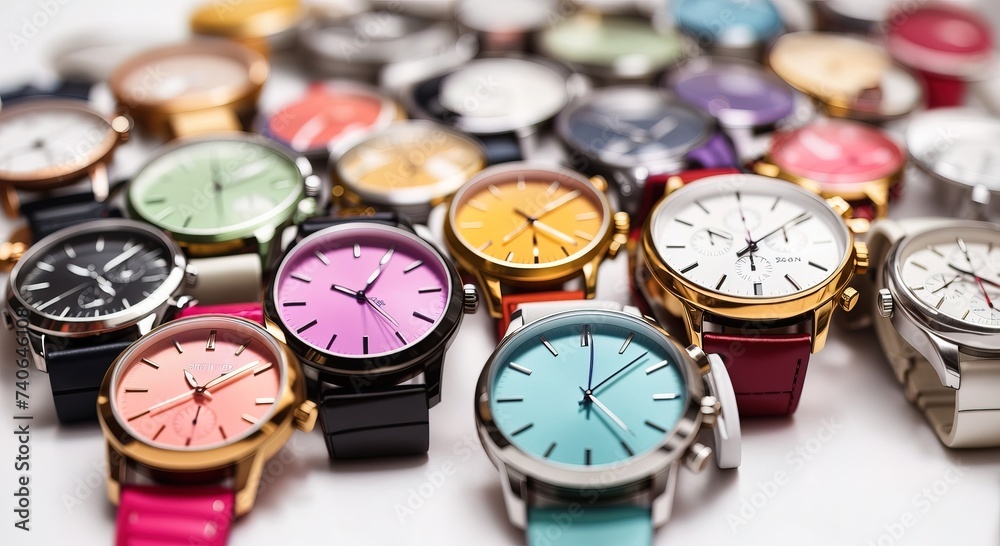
198, 383
322, 116
837, 152
361, 289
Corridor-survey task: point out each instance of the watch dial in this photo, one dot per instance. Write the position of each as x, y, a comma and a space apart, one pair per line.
362, 290
969, 155
93, 274
587, 389
208, 186
198, 383
746, 21
629, 45
738, 95
942, 38
955, 272
523, 215
47, 139
829, 65
749, 236
192, 75
325, 115
837, 152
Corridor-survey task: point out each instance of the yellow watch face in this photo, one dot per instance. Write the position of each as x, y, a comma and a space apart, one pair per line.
529, 216
829, 65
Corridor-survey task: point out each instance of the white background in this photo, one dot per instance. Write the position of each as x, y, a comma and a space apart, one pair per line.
857, 459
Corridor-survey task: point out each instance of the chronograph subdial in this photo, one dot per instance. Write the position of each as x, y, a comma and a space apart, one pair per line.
986, 311
711, 242
195, 421
754, 268
946, 286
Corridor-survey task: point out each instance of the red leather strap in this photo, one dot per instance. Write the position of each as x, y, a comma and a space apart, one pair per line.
250, 311
168, 516
767, 370
510, 303
943, 91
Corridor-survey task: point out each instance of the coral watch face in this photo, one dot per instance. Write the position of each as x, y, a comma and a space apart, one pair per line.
361, 290
198, 383
527, 216
837, 152
587, 389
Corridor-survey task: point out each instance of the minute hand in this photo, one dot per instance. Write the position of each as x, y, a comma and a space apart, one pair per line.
117, 260
553, 205
798, 219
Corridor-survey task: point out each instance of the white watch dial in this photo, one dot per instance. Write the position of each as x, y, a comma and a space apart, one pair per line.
52, 141
749, 236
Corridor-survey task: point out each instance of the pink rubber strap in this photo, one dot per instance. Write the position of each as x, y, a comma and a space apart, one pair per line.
250, 311
174, 516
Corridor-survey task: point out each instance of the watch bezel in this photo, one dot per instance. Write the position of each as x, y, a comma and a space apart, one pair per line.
935, 121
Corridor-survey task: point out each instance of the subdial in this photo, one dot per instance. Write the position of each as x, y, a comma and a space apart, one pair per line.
980, 262
735, 223
787, 241
753, 268
949, 287
711, 242
195, 421
94, 297
130, 271
981, 309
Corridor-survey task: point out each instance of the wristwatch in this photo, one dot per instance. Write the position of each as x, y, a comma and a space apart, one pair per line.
409, 167
947, 44
224, 199
862, 17
756, 268
523, 230
613, 49
369, 308
848, 77
85, 293
588, 411
504, 27
629, 133
933, 286
262, 25
191, 413
748, 102
327, 114
197, 87
504, 101
956, 147
730, 28
839, 158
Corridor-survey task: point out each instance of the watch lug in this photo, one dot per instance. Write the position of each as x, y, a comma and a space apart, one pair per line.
37, 342
146, 324
99, 181
767, 168
878, 194
514, 488
589, 271
946, 360
264, 236
273, 329
516, 322
821, 325
664, 489
493, 293
8, 321
117, 469
432, 378
694, 320
246, 478
635, 312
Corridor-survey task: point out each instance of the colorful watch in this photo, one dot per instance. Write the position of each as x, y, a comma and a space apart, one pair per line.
585, 393
756, 268
191, 413
745, 30
369, 308
261, 25
505, 27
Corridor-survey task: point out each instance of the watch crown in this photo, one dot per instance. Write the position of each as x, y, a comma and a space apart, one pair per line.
840, 206
861, 261
885, 303
313, 185
620, 238
710, 407
697, 457
190, 274
470, 298
848, 298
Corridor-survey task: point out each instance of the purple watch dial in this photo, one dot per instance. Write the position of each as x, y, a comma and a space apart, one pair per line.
737, 95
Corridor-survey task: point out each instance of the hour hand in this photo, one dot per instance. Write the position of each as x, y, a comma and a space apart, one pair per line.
344, 290
77, 270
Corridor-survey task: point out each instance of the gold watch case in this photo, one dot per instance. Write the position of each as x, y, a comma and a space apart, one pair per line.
262, 25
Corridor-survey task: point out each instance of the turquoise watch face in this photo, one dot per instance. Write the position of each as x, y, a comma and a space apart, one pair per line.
587, 388
222, 188
743, 21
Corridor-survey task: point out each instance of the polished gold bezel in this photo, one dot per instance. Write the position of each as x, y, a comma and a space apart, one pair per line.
877, 191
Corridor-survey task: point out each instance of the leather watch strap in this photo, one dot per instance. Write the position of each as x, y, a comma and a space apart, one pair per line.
375, 422
656, 187
250, 311
75, 375
174, 516
510, 302
66, 89
591, 526
501, 148
227, 279
46, 216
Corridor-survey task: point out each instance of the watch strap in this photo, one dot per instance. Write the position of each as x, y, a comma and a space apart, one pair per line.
312, 225
943, 91
767, 371
501, 148
716, 152
574, 525
75, 375
250, 311
49, 215
227, 279
172, 515
657, 185
65, 88
375, 421
510, 303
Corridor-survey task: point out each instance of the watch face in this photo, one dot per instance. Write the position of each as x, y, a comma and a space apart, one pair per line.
210, 187
378, 37
749, 236
587, 389
837, 152
944, 39
736, 94
362, 290
198, 383
749, 21
960, 146
45, 139
415, 155
97, 270
513, 16
629, 46
531, 217
633, 126
955, 272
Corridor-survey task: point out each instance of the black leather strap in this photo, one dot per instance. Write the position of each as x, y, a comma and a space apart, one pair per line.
46, 216
76, 374
312, 225
501, 148
379, 422
66, 89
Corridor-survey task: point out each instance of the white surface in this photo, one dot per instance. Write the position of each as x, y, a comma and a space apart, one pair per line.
855, 465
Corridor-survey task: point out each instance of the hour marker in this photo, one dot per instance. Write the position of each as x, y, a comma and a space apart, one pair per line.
510, 256
665, 396
758, 289
249, 419
293, 304
583, 235
326, 261
702, 207
520, 183
134, 417
478, 205
155, 200
401, 338
586, 216
136, 390
689, 268
262, 368
470, 225
364, 344
36, 286
722, 280
307, 326
48, 303
429, 289
210, 344
126, 303
934, 250
357, 250
587, 456
915, 288
494, 190
46, 266
150, 362
627, 449
651, 424
160, 262
301, 277
264, 401
222, 431
164, 213
679, 221
965, 315
499, 400
519, 368
422, 316
823, 242
659, 365
522, 429
64, 311
676, 246
792, 281
552, 447
548, 346
157, 435
585, 335
281, 183
241, 348
153, 278
69, 250
566, 252
939, 303
921, 266
330, 343
775, 205
817, 266
625, 345
413, 266
177, 346
99, 245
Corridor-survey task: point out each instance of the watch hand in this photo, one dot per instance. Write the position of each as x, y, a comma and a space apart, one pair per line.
517, 231
378, 271
94, 303
119, 259
382, 312
191, 381
979, 281
344, 290
105, 285
61, 296
615, 125
229, 376
657, 133
946, 285
166, 403
620, 370
194, 422
751, 244
606, 411
720, 235
590, 372
553, 205
971, 274
545, 228
77, 270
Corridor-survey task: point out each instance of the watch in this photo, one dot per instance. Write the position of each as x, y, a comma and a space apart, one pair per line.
197, 87
748, 102
613, 49
853, 16
585, 393
956, 147
504, 101
948, 45
629, 133
934, 285
191, 413
523, 230
732, 28
326, 115
847, 76
756, 268
262, 25
84, 293
409, 167
839, 158
504, 27
224, 199
369, 308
